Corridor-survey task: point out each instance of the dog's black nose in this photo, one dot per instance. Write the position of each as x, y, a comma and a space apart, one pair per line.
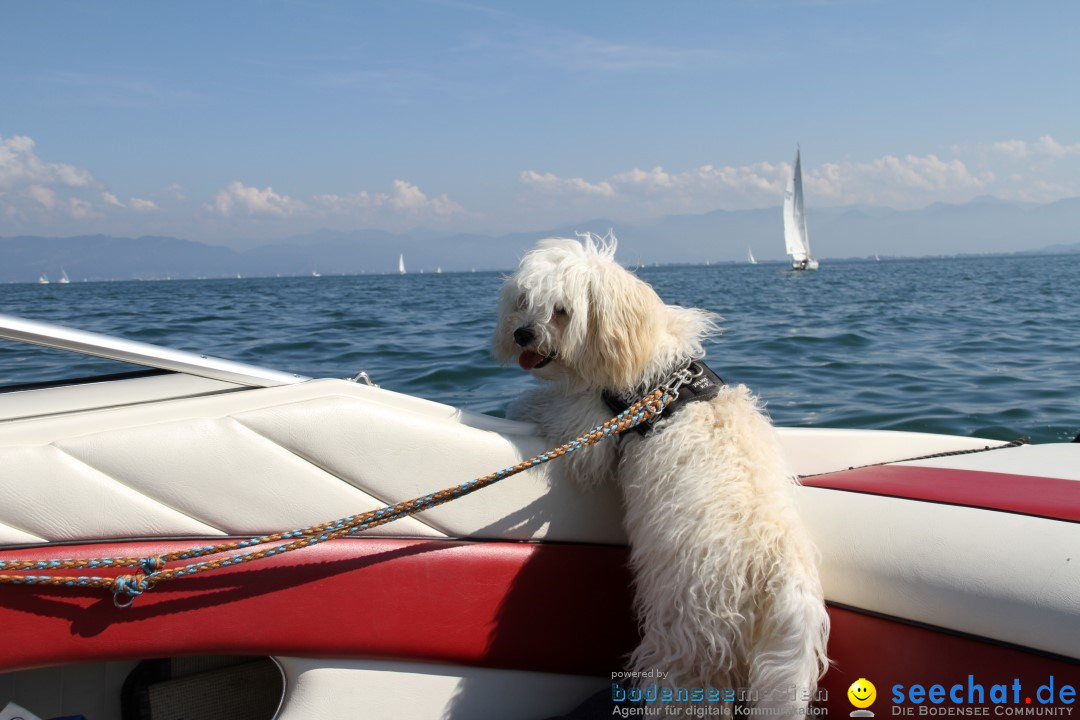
523, 336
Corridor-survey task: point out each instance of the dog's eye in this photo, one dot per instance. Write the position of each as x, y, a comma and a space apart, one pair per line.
560, 311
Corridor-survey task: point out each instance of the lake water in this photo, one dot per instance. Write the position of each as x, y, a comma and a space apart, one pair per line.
970, 346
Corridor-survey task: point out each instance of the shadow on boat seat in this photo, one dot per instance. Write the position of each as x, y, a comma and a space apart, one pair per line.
602, 633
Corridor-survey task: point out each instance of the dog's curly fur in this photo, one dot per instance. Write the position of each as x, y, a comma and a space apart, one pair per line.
727, 589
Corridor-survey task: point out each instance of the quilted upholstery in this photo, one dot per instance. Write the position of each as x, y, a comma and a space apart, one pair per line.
258, 461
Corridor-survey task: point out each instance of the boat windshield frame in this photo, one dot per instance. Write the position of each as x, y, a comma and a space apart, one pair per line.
35, 332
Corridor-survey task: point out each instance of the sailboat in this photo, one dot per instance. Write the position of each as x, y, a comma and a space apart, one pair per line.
43, 279
401, 264
750, 257
64, 279
796, 236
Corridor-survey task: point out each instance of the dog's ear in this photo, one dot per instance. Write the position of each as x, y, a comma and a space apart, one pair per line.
622, 319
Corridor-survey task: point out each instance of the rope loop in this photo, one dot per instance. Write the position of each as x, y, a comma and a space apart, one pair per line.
126, 586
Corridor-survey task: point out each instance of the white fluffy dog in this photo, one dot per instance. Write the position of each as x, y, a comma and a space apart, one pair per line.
727, 588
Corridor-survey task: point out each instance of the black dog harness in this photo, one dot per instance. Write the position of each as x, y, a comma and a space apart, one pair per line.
698, 382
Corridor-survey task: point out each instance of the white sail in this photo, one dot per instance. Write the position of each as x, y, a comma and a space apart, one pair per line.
750, 257
43, 279
401, 263
64, 279
796, 235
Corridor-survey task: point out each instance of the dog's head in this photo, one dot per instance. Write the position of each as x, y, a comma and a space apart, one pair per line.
571, 313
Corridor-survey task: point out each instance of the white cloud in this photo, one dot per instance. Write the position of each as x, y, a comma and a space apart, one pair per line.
1039, 171
343, 204
890, 180
255, 201
655, 178
898, 181
81, 210
35, 191
21, 166
760, 177
408, 198
46, 199
1012, 148
550, 183
42, 195
142, 205
404, 199
1046, 147
750, 182
135, 204
1050, 147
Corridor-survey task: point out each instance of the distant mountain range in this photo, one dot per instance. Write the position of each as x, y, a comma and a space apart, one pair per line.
984, 225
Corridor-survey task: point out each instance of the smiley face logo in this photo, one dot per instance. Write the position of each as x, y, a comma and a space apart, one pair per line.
862, 693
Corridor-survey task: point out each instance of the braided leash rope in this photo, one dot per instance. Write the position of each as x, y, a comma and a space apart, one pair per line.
152, 570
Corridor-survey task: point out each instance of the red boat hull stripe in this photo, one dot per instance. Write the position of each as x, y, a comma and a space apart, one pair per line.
517, 605
1052, 498
540, 607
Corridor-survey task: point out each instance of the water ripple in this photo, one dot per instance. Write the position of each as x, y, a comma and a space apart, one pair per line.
972, 346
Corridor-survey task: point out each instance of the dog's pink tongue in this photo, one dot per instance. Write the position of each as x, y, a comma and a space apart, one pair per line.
529, 359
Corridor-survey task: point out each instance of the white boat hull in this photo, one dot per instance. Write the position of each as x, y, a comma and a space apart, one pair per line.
473, 608
808, 264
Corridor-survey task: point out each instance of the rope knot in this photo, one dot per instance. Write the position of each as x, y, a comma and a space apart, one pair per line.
151, 565
130, 587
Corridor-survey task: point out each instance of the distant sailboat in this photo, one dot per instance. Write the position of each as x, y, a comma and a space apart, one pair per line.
750, 257
43, 279
401, 264
438, 270
796, 236
64, 279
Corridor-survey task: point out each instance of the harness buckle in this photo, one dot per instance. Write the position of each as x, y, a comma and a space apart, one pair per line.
684, 376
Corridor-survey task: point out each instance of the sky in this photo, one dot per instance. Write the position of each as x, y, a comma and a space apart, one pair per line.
241, 121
